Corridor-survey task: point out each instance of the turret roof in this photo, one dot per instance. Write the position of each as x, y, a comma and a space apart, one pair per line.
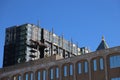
103, 44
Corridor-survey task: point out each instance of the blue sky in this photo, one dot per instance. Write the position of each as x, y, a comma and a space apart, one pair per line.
85, 21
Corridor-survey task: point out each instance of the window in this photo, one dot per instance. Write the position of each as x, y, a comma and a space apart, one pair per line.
54, 73
50, 37
85, 66
46, 35
60, 41
19, 77
31, 76
114, 61
51, 74
61, 52
26, 76
65, 71
65, 44
55, 39
29, 29
57, 72
38, 75
44, 75
101, 64
71, 69
117, 78
79, 68
74, 49
95, 65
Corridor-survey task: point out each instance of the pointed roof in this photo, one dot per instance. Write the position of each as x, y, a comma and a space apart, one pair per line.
102, 45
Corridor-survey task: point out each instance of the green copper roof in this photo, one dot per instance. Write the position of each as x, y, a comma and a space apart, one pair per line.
102, 45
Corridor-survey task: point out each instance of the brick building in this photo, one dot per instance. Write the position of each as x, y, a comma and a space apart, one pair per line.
103, 64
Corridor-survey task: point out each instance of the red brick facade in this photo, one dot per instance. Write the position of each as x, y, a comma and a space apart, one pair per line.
44, 66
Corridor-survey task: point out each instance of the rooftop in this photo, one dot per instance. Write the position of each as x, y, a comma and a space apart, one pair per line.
102, 45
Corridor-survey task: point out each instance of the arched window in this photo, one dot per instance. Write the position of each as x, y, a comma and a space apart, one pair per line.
68, 70
95, 65
57, 72
65, 70
38, 75
98, 63
85, 66
54, 72
26, 76
82, 67
41, 74
29, 76
51, 74
101, 61
114, 61
44, 74
71, 69
79, 66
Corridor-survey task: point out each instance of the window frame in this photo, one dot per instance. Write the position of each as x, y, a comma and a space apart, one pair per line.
115, 58
65, 67
79, 68
86, 66
95, 67
57, 72
101, 66
71, 69
27, 75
